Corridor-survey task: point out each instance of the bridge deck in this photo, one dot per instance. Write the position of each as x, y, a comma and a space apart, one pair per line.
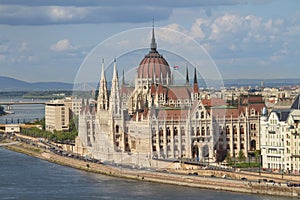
20, 102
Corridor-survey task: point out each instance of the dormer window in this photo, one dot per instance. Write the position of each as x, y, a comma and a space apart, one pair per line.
252, 111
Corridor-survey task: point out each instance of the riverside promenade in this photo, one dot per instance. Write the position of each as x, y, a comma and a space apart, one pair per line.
176, 178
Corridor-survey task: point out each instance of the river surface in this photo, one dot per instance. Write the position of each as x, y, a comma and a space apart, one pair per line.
25, 177
23, 112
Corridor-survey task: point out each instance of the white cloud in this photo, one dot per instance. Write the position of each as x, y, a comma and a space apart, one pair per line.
62, 45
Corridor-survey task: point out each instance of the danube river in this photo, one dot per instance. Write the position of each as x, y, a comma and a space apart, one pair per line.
25, 177
23, 112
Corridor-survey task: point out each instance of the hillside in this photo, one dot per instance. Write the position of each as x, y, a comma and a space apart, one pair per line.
11, 84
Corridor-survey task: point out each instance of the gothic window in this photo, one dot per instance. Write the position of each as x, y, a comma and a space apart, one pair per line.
221, 130
207, 131
234, 129
202, 131
242, 130
227, 130
198, 131
182, 131
161, 132
117, 128
153, 132
175, 131
168, 131
252, 111
197, 115
202, 115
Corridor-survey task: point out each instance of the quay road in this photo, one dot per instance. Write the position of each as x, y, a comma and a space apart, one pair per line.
10, 143
51, 154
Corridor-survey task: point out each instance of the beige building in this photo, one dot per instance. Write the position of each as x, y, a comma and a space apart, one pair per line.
73, 104
56, 116
280, 142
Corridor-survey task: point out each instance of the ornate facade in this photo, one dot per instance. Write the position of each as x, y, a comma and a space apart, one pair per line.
158, 120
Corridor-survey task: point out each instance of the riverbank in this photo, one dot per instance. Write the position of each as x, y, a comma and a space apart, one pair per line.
178, 178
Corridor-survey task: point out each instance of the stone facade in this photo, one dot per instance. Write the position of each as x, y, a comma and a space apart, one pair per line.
280, 143
157, 120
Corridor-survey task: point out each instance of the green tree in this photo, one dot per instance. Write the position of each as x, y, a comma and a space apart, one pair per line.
228, 158
257, 155
241, 156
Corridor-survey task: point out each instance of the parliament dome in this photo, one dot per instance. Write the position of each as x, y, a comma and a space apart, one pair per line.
153, 64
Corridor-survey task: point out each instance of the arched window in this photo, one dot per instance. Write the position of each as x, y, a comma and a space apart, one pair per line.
168, 131
161, 132
197, 115
175, 131
202, 115
198, 131
207, 130
242, 130
227, 130
153, 132
117, 128
202, 131
182, 131
234, 129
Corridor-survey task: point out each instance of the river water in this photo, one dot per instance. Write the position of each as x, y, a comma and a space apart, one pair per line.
25, 177
23, 112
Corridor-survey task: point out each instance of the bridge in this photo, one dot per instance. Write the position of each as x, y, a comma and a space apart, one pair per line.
21, 102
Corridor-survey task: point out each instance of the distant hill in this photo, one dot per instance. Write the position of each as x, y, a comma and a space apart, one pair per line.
11, 84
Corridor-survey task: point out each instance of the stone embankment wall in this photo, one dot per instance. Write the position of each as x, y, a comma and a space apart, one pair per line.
178, 178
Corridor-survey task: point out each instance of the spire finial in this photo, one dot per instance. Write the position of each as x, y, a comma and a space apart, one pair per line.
195, 76
123, 78
103, 72
187, 76
153, 45
115, 73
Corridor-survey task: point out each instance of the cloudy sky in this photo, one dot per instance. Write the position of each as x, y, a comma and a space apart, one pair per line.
48, 40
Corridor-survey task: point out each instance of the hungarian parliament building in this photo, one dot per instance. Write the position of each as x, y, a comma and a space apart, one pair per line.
156, 120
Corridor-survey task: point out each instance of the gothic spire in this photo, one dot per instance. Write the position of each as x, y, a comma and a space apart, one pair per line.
115, 74
153, 45
102, 100
195, 77
103, 73
195, 82
123, 78
187, 76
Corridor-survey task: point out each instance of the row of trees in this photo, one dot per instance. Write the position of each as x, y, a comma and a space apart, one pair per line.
57, 136
241, 158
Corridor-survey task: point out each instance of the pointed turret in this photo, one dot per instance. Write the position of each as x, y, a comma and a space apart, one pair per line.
196, 90
123, 78
102, 101
195, 82
187, 81
153, 44
114, 101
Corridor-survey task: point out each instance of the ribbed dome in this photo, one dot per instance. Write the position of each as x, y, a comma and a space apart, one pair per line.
154, 65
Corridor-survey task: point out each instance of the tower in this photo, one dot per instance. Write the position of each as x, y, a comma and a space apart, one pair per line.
102, 101
114, 101
195, 88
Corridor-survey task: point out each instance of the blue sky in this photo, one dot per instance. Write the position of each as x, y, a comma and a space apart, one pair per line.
48, 40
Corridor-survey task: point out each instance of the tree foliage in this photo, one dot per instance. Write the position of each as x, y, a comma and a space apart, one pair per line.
241, 156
